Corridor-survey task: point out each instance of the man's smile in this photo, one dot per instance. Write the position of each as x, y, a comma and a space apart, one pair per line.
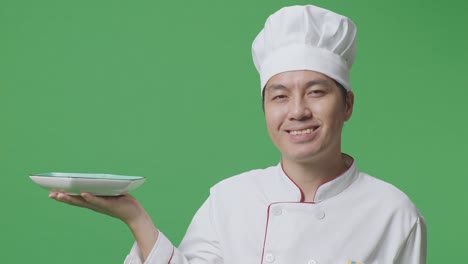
302, 131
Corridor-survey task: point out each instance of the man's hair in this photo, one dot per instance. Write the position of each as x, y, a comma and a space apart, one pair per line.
343, 91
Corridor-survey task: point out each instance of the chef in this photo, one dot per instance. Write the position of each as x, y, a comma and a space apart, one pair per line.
314, 206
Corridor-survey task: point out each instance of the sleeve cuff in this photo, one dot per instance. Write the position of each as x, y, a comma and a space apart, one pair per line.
160, 254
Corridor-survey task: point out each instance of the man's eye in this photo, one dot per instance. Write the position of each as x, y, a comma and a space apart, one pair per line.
279, 97
316, 92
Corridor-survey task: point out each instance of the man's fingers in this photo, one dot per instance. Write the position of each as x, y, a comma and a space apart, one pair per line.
83, 200
76, 201
94, 200
69, 199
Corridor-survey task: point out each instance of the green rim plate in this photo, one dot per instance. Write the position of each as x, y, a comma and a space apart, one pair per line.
88, 176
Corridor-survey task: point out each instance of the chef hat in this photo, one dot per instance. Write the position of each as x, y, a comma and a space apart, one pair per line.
305, 38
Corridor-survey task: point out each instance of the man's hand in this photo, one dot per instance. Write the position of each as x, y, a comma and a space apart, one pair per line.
124, 207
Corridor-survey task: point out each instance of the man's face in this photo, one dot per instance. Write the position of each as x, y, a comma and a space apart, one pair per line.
305, 112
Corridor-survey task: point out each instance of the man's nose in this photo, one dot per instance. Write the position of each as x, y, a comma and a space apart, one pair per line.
299, 110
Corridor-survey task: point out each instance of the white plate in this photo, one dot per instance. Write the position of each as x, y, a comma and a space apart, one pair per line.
97, 184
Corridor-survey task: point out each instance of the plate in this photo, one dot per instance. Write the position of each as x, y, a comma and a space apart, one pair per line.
96, 184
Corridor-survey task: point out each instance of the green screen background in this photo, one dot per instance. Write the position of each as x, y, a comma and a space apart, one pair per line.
168, 90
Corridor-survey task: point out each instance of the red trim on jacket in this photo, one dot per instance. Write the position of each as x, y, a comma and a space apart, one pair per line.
299, 188
300, 201
266, 231
172, 255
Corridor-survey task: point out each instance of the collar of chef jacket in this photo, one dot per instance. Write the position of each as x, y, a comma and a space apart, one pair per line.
286, 190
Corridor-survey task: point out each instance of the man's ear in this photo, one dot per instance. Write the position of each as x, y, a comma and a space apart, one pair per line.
349, 105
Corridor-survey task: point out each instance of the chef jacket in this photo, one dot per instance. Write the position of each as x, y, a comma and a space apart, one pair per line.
258, 217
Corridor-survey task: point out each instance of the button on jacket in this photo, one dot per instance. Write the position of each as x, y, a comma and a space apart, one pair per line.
258, 217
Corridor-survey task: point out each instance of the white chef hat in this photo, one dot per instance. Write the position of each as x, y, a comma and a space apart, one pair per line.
305, 38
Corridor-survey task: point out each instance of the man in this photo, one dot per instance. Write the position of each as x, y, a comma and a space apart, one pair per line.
313, 207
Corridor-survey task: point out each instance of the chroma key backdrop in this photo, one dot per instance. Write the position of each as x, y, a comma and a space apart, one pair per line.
168, 90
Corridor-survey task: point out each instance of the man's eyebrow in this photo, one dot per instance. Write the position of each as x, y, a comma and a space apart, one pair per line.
316, 82
280, 87
275, 87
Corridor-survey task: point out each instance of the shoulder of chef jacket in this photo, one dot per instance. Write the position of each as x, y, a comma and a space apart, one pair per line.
258, 217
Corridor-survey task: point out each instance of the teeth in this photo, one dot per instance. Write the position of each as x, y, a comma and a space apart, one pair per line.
301, 132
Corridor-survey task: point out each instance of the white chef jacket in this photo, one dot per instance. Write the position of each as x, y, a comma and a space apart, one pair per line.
258, 218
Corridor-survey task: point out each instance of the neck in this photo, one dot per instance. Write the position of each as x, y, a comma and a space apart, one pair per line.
311, 174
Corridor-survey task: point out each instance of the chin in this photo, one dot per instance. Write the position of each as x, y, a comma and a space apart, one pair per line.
302, 157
